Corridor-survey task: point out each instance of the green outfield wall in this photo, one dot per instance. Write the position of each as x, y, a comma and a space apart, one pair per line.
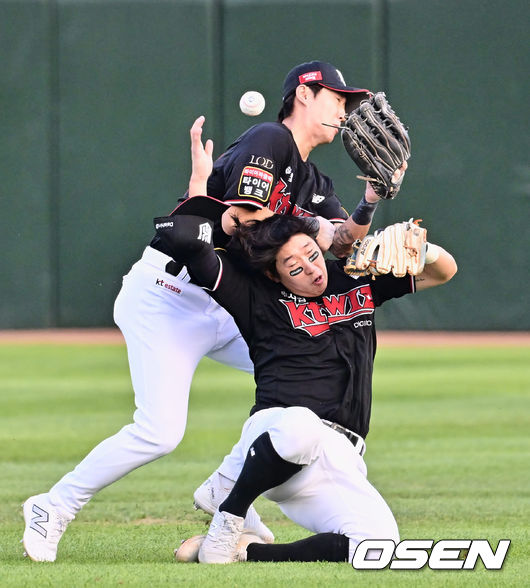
97, 97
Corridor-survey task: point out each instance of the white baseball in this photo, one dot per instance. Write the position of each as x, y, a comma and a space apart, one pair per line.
252, 103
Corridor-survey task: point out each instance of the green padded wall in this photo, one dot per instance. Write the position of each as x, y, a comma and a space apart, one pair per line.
27, 165
98, 96
133, 76
264, 40
459, 74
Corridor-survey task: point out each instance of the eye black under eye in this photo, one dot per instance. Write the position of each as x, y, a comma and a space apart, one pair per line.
313, 256
295, 272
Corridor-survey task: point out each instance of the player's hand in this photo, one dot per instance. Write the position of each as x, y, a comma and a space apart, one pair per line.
326, 231
398, 175
370, 194
201, 159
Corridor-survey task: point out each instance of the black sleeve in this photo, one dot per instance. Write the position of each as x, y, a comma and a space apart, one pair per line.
188, 239
388, 286
250, 168
332, 209
233, 291
325, 201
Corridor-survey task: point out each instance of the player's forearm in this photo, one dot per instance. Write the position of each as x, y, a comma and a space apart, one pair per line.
440, 267
243, 215
356, 226
204, 269
201, 160
188, 239
345, 235
197, 186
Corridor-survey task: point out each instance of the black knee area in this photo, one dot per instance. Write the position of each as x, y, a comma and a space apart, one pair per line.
263, 469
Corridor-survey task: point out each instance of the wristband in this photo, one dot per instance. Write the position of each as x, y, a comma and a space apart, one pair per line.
364, 212
432, 253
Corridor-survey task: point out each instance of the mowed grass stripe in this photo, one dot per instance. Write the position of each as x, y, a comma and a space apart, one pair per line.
448, 449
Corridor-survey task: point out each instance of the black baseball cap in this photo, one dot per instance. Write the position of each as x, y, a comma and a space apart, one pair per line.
326, 75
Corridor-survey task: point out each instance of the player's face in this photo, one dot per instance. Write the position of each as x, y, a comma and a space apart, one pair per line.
328, 107
301, 267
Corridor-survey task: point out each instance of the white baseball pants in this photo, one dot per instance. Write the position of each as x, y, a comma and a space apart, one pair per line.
331, 493
169, 324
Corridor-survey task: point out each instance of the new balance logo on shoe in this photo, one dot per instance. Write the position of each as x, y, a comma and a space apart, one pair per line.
41, 516
44, 527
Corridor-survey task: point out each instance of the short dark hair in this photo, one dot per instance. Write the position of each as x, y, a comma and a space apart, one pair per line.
261, 240
288, 104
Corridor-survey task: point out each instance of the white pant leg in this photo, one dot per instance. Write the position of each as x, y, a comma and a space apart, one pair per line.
168, 325
231, 349
331, 493
293, 432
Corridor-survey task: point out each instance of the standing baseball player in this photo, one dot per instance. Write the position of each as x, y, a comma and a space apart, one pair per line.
310, 328
169, 324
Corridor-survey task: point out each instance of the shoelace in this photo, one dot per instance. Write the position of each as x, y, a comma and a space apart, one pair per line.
57, 529
225, 537
252, 519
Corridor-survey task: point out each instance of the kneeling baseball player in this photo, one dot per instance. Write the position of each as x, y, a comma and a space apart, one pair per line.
310, 327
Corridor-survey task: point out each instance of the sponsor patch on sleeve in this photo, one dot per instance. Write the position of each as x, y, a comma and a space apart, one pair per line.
255, 183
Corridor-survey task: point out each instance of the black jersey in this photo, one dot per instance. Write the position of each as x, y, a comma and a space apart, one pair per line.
314, 352
263, 168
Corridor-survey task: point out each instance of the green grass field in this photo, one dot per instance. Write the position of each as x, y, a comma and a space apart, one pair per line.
449, 450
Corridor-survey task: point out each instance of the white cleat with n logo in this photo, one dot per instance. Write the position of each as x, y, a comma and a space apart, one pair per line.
44, 528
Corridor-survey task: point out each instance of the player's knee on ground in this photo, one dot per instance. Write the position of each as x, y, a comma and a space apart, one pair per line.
297, 435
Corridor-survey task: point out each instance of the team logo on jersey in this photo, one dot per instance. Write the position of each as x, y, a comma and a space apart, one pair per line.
261, 161
205, 233
280, 201
317, 198
256, 183
316, 318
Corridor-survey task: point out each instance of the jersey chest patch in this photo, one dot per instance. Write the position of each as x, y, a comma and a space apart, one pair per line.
315, 318
256, 183
280, 202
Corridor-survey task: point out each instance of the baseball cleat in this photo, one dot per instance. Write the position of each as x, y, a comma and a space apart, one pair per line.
220, 546
189, 549
211, 493
242, 544
44, 528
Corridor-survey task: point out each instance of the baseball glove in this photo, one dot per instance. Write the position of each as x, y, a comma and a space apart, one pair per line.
378, 143
399, 248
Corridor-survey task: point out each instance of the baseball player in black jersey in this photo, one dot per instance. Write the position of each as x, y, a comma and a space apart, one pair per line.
168, 321
310, 329
267, 171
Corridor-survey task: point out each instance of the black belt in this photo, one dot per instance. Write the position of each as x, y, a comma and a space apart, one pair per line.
356, 440
174, 267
